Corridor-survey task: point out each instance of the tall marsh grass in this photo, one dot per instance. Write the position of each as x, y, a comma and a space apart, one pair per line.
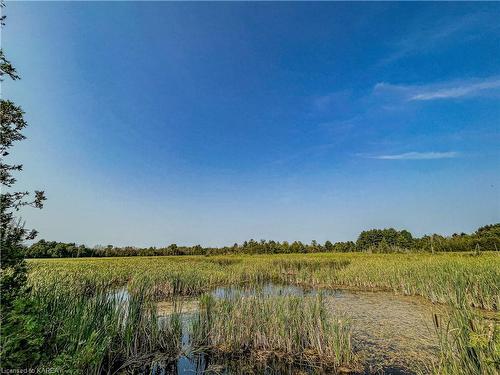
99, 331
291, 327
469, 340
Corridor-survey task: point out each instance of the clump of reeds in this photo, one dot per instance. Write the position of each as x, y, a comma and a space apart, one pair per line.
469, 339
291, 327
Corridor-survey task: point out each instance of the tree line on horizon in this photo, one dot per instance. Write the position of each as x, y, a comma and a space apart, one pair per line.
390, 240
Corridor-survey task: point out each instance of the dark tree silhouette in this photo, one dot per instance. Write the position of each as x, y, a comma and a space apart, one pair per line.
12, 230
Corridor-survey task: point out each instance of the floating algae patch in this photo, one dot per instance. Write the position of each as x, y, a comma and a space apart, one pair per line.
391, 333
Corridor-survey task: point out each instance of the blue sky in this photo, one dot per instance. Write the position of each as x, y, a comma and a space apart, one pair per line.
157, 123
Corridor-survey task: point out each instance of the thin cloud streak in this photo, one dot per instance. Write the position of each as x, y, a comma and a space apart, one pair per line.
431, 155
443, 90
458, 91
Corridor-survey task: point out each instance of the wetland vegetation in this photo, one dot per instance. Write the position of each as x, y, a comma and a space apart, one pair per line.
105, 314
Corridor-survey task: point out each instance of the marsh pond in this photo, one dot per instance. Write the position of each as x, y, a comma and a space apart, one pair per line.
387, 333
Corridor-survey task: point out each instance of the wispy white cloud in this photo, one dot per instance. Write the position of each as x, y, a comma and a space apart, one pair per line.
457, 91
443, 90
418, 156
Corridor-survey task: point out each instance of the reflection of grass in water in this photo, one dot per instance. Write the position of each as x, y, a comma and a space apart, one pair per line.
296, 328
180, 305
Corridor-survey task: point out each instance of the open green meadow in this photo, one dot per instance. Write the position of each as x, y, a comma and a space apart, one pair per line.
102, 314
